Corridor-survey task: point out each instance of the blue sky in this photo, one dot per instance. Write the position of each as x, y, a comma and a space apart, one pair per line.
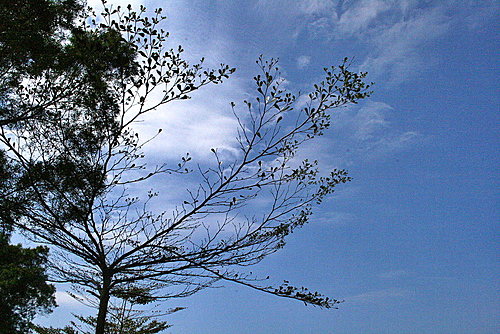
411, 242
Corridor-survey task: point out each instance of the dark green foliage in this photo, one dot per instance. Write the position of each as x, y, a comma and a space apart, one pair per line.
40, 42
30, 31
9, 197
23, 288
30, 43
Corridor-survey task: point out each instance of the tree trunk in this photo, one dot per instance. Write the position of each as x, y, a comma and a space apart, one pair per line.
103, 306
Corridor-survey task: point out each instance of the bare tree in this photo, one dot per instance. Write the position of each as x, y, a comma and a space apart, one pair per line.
82, 167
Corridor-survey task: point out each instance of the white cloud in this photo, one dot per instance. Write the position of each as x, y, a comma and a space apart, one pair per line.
316, 7
359, 134
370, 120
358, 17
303, 61
370, 132
389, 34
205, 121
391, 37
393, 274
335, 218
391, 144
64, 299
396, 51
193, 126
378, 296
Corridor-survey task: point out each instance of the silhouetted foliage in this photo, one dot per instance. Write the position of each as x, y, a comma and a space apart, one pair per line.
23, 288
123, 318
81, 164
30, 43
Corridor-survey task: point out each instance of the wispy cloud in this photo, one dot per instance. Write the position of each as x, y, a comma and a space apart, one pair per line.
303, 61
392, 29
391, 33
358, 17
392, 143
379, 296
393, 274
315, 7
359, 134
367, 132
335, 218
390, 36
395, 49
370, 120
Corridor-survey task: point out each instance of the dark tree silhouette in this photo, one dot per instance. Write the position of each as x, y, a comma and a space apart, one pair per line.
83, 168
30, 43
23, 287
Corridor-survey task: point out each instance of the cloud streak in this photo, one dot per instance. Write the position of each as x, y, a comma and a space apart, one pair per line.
392, 38
379, 296
366, 133
393, 274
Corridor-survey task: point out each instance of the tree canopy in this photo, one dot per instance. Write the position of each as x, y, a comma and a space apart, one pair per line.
23, 288
30, 43
68, 129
